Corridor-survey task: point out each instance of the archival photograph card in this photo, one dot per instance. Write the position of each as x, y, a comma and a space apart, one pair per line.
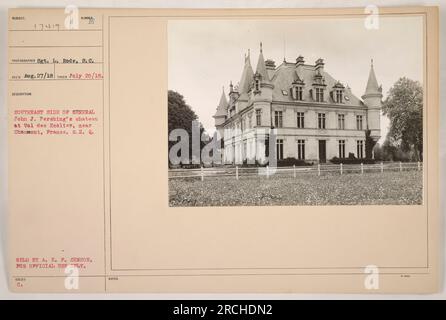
223, 150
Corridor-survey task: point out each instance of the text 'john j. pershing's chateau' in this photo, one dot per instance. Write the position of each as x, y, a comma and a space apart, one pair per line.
315, 116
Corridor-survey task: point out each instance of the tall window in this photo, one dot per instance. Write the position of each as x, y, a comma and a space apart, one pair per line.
341, 148
301, 149
300, 120
279, 149
341, 121
338, 96
257, 84
278, 119
319, 95
258, 117
359, 122
360, 149
299, 93
321, 120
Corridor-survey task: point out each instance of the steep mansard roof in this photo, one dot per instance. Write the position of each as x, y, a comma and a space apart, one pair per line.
283, 77
287, 72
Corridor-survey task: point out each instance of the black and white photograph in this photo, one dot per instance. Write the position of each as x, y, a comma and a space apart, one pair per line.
300, 112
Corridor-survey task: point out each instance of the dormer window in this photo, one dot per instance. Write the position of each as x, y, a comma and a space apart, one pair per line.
297, 89
319, 97
297, 92
339, 96
338, 93
318, 85
300, 93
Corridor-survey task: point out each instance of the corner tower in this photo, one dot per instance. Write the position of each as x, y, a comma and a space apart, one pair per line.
373, 100
262, 93
221, 112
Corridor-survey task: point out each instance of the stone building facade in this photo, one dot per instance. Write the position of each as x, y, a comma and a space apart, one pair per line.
315, 117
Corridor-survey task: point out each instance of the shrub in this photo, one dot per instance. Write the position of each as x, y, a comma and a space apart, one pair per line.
352, 160
289, 162
245, 164
190, 166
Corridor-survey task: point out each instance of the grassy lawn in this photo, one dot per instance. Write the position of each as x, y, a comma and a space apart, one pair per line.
307, 189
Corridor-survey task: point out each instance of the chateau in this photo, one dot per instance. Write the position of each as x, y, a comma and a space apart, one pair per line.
315, 116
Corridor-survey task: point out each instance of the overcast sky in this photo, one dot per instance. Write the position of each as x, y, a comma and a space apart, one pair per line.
204, 55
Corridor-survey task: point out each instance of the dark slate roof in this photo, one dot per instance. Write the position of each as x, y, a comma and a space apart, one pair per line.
261, 67
247, 77
372, 84
222, 106
287, 73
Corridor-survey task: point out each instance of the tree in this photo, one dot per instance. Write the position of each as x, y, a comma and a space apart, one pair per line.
378, 152
369, 144
404, 107
180, 116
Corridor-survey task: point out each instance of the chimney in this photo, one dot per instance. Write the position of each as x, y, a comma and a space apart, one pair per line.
299, 61
319, 64
270, 64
